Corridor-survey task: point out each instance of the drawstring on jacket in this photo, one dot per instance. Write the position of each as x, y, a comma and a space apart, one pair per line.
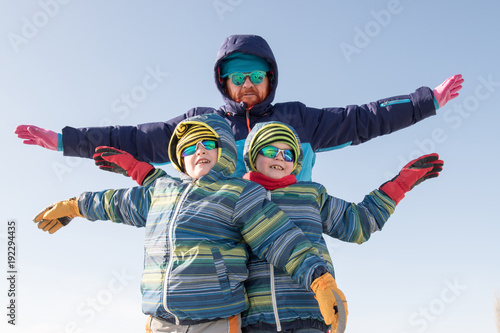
247, 114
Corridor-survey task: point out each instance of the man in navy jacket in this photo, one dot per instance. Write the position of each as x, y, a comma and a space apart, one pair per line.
246, 74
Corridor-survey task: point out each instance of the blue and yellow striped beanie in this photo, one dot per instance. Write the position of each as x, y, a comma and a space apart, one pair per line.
187, 135
270, 134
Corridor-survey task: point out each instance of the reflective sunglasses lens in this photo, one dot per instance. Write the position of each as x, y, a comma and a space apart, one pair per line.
209, 145
189, 151
257, 77
237, 78
288, 155
269, 151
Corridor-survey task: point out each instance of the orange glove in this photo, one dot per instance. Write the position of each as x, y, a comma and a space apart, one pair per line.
57, 215
332, 302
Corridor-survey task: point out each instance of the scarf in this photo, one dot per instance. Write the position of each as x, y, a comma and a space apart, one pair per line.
270, 183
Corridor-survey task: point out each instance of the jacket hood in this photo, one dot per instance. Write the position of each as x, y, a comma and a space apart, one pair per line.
258, 127
226, 162
250, 44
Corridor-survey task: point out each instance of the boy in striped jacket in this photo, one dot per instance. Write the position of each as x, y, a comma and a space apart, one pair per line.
199, 229
273, 157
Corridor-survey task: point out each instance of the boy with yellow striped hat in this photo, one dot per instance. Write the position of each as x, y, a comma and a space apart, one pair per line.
273, 157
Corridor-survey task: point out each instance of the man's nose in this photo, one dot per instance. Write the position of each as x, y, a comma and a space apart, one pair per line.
247, 82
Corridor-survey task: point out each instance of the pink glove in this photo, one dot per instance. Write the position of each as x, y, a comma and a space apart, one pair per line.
33, 135
448, 90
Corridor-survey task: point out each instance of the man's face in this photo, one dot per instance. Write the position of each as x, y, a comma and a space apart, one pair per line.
276, 167
248, 92
201, 162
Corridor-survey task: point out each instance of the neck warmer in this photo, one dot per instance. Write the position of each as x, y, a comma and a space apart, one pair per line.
270, 183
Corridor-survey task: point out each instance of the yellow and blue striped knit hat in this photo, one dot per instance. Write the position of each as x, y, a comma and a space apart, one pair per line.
190, 134
269, 134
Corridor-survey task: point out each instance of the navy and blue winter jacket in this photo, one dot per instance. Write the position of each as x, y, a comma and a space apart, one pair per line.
319, 129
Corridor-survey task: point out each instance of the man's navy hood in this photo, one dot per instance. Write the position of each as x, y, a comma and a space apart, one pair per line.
250, 44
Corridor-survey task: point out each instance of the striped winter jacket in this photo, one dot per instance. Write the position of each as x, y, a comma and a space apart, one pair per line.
198, 233
276, 301
320, 129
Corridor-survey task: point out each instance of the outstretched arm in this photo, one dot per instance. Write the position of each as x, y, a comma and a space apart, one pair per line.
328, 128
127, 206
356, 222
146, 142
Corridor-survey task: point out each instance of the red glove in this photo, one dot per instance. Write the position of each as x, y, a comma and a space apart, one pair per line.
119, 161
448, 90
412, 174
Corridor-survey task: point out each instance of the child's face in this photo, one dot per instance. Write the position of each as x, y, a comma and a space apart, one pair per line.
276, 167
201, 162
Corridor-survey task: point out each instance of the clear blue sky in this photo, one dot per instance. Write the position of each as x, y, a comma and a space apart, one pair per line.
433, 268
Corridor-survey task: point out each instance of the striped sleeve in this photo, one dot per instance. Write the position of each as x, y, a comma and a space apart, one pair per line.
127, 206
273, 237
355, 223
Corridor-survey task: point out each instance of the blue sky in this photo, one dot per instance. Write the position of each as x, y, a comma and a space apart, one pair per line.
433, 268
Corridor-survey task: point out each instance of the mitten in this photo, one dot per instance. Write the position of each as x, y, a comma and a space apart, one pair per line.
412, 174
115, 160
57, 215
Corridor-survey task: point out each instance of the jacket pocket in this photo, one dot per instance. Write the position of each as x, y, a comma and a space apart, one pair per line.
222, 273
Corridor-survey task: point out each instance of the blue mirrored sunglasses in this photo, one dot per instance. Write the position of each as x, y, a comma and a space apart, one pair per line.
256, 77
207, 144
272, 152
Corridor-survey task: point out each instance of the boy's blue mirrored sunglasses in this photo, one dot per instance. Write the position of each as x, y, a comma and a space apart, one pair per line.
256, 77
207, 144
272, 152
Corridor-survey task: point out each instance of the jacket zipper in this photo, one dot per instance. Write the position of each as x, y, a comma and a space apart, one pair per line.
398, 101
273, 288
171, 245
273, 297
